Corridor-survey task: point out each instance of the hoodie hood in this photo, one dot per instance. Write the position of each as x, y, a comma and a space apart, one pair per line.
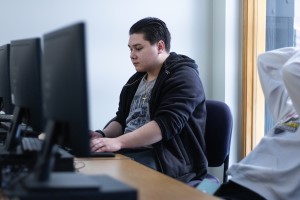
174, 61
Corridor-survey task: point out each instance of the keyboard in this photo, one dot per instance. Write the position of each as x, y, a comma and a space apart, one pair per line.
102, 154
31, 145
94, 154
5, 125
6, 118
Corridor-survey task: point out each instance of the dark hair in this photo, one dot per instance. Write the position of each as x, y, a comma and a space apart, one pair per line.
154, 30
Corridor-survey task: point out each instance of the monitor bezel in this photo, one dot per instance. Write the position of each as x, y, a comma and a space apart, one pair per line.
7, 106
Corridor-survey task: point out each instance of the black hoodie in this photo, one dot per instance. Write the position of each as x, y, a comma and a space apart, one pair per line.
178, 107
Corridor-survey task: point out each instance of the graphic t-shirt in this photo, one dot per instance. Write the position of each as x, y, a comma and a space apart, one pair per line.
139, 109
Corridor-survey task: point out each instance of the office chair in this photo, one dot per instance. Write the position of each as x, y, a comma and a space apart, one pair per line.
218, 132
217, 136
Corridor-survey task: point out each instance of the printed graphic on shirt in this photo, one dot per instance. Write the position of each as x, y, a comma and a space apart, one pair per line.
139, 114
289, 125
139, 109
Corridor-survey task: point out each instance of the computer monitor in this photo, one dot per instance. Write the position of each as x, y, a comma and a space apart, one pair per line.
5, 95
25, 79
64, 85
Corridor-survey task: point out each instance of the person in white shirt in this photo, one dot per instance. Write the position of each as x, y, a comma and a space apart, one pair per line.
272, 170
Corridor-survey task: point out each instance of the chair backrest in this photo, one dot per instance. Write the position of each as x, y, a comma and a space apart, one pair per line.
218, 134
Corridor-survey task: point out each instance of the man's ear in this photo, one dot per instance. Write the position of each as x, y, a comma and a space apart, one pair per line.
161, 46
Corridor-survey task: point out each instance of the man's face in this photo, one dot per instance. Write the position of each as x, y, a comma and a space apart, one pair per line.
143, 55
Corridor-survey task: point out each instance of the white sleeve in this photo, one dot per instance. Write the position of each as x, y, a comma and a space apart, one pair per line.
291, 77
270, 66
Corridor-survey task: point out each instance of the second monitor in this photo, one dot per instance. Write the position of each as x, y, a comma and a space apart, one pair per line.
25, 81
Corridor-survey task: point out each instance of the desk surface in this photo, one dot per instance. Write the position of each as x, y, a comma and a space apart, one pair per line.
150, 183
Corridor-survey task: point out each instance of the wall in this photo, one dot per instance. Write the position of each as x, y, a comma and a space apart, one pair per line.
108, 22
207, 31
226, 71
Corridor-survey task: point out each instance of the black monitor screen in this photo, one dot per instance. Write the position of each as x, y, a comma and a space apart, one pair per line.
64, 88
5, 95
25, 79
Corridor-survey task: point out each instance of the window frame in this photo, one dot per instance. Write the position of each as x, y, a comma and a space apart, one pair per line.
254, 31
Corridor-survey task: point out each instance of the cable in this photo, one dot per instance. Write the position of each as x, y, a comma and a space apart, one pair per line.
81, 165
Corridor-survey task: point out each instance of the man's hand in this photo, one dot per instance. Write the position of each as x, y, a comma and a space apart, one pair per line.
99, 144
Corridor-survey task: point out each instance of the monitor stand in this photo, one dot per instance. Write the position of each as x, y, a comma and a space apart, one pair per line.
3, 134
68, 185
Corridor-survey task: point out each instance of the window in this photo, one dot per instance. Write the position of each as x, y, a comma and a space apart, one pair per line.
282, 30
267, 24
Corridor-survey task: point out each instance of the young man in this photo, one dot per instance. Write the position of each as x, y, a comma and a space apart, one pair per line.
272, 169
161, 115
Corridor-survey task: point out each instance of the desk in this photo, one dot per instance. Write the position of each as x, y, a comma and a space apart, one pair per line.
151, 185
